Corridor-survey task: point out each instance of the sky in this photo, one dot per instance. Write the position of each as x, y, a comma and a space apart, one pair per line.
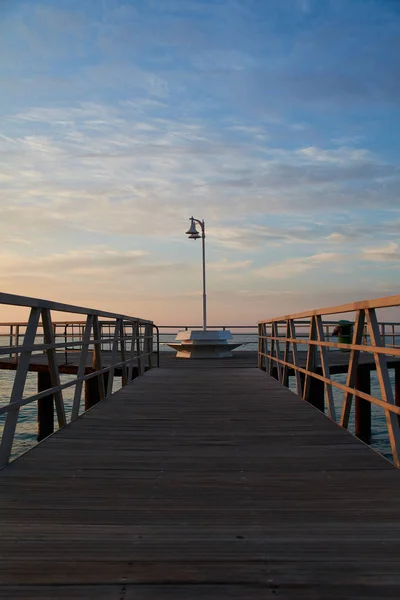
276, 121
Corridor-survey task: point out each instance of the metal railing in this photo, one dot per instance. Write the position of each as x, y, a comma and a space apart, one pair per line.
278, 354
128, 340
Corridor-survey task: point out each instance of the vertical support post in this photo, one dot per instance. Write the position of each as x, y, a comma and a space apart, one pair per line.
45, 407
132, 343
277, 372
297, 374
92, 390
11, 337
385, 385
124, 369
261, 357
363, 407
16, 341
82, 366
158, 343
271, 363
325, 371
53, 365
18, 388
285, 370
316, 394
397, 387
310, 363
117, 332
138, 350
358, 335
97, 357
149, 343
313, 390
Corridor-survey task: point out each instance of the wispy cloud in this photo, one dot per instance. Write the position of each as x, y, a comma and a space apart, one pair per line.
388, 253
292, 267
225, 265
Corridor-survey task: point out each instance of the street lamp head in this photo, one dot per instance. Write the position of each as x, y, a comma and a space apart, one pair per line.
192, 231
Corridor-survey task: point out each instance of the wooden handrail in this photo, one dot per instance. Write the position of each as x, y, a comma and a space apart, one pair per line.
130, 341
278, 355
386, 302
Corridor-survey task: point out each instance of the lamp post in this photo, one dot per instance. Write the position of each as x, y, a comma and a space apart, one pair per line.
194, 235
212, 343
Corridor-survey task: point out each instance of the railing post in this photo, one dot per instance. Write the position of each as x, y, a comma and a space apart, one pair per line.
358, 336
92, 389
18, 388
158, 343
53, 365
297, 374
45, 406
316, 393
124, 375
114, 352
276, 367
325, 372
261, 358
86, 333
17, 341
363, 407
97, 339
149, 343
285, 370
139, 350
397, 387
385, 385
11, 337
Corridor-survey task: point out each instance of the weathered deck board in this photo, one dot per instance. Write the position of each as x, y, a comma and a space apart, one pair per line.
204, 483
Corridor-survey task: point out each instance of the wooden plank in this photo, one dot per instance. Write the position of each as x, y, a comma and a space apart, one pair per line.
200, 480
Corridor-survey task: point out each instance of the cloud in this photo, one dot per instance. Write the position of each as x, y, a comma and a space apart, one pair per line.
256, 237
82, 262
124, 161
226, 265
337, 238
388, 253
292, 267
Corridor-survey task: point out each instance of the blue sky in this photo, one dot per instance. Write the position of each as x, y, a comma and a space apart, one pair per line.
274, 120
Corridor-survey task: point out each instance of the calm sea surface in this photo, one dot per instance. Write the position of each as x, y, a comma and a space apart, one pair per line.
27, 424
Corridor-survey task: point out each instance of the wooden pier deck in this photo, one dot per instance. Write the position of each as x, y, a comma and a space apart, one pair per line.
200, 481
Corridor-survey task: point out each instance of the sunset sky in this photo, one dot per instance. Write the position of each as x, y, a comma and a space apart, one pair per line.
277, 121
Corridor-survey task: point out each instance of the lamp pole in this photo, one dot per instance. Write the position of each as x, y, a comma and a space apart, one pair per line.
194, 235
